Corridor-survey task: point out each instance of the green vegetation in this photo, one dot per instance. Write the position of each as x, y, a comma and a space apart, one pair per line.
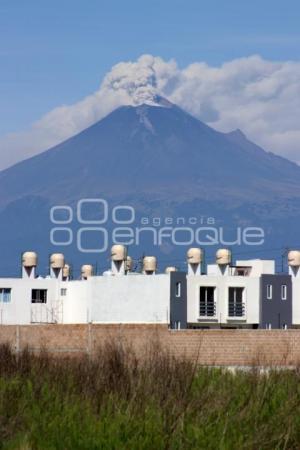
115, 401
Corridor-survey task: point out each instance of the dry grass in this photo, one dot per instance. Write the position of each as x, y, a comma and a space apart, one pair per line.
119, 401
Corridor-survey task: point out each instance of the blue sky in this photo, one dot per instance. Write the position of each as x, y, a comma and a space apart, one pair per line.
56, 52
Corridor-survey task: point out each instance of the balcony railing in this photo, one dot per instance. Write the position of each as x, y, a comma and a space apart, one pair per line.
236, 309
207, 309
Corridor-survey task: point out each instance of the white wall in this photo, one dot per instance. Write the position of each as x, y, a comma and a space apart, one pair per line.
295, 274
76, 305
20, 310
258, 266
222, 284
105, 299
296, 300
130, 299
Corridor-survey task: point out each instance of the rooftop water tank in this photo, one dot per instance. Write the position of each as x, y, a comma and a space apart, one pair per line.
87, 271
170, 269
129, 264
66, 270
29, 259
118, 253
194, 255
57, 261
223, 256
149, 264
294, 258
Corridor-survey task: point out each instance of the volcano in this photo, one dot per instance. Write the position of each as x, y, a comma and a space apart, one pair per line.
163, 163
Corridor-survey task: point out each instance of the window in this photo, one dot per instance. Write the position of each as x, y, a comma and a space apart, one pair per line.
283, 292
207, 305
39, 296
178, 289
63, 292
242, 271
5, 295
236, 307
269, 291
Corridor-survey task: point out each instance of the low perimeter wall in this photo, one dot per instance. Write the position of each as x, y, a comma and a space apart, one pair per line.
207, 347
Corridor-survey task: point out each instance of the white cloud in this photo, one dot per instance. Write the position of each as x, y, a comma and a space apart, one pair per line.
258, 96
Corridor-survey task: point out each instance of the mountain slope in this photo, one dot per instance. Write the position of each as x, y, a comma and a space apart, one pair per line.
158, 159
150, 147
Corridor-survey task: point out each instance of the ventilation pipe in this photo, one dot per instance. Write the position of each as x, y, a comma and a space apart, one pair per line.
29, 263
194, 260
57, 263
149, 265
294, 263
118, 259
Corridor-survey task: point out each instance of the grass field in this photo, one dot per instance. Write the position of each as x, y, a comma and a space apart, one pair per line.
115, 401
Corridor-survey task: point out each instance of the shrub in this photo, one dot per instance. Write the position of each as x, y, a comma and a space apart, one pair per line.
118, 400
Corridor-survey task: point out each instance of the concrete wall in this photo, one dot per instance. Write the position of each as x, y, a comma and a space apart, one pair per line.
178, 303
20, 310
136, 299
295, 274
130, 299
222, 284
76, 308
207, 347
258, 266
111, 299
276, 312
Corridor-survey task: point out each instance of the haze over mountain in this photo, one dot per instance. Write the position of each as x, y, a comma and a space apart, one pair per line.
163, 162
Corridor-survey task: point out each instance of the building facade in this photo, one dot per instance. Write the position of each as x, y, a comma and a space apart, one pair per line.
248, 294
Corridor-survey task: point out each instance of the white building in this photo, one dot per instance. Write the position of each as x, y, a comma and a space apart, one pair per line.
248, 294
118, 296
294, 271
227, 295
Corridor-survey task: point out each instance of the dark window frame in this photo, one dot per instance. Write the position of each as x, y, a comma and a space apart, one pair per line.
207, 301
269, 291
178, 289
284, 292
236, 304
4, 291
39, 295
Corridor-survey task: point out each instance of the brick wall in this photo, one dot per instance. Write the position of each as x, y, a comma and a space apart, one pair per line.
208, 347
